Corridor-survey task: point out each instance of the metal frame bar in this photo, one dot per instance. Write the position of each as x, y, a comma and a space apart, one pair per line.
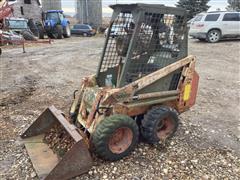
130, 50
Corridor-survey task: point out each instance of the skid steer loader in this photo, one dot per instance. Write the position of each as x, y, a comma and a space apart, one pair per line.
144, 80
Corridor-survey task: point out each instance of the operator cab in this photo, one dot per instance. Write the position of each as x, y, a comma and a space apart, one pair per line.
55, 15
144, 42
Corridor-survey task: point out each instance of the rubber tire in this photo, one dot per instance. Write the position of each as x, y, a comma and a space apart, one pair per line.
65, 33
50, 36
85, 34
59, 32
28, 35
103, 132
41, 32
33, 27
153, 118
215, 31
201, 39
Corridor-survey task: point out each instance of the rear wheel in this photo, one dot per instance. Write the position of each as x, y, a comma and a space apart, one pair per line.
41, 31
115, 137
160, 123
214, 36
28, 35
57, 32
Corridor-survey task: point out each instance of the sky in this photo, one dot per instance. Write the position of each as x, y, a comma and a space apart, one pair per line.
68, 5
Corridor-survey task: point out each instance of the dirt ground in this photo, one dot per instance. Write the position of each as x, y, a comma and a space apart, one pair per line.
48, 74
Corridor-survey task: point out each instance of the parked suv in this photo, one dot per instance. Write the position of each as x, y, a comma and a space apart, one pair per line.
83, 29
214, 26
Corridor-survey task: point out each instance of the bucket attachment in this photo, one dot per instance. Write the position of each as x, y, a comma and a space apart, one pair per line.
56, 148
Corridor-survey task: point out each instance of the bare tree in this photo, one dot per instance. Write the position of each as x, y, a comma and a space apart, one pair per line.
193, 6
234, 5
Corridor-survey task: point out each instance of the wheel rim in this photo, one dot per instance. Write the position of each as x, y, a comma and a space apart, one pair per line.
85, 34
214, 36
120, 140
165, 128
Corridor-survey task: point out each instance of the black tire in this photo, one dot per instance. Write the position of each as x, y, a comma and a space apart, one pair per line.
57, 32
50, 35
201, 39
213, 36
104, 134
41, 31
28, 35
85, 34
160, 123
67, 31
33, 27
0, 51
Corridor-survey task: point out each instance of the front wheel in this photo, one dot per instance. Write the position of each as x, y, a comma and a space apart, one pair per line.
85, 34
115, 137
213, 36
41, 32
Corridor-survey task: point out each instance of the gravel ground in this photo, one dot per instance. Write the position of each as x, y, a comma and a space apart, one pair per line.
206, 145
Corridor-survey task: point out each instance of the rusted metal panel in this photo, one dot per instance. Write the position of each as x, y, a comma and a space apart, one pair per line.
47, 163
46, 120
42, 157
75, 162
5, 10
194, 90
189, 76
151, 78
95, 106
133, 111
50, 167
41, 125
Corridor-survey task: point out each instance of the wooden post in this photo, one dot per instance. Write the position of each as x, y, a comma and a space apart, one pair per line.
24, 47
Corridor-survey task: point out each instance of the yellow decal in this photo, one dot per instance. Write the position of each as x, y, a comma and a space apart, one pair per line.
187, 92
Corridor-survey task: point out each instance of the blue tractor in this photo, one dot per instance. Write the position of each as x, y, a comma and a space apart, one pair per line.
55, 25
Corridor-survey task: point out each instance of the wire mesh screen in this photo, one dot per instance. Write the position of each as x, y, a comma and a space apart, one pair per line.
158, 44
145, 43
119, 37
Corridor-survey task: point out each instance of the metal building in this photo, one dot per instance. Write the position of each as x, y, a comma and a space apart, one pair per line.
51, 5
89, 12
29, 9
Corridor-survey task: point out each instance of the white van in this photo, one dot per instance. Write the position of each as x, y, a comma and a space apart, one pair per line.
214, 26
